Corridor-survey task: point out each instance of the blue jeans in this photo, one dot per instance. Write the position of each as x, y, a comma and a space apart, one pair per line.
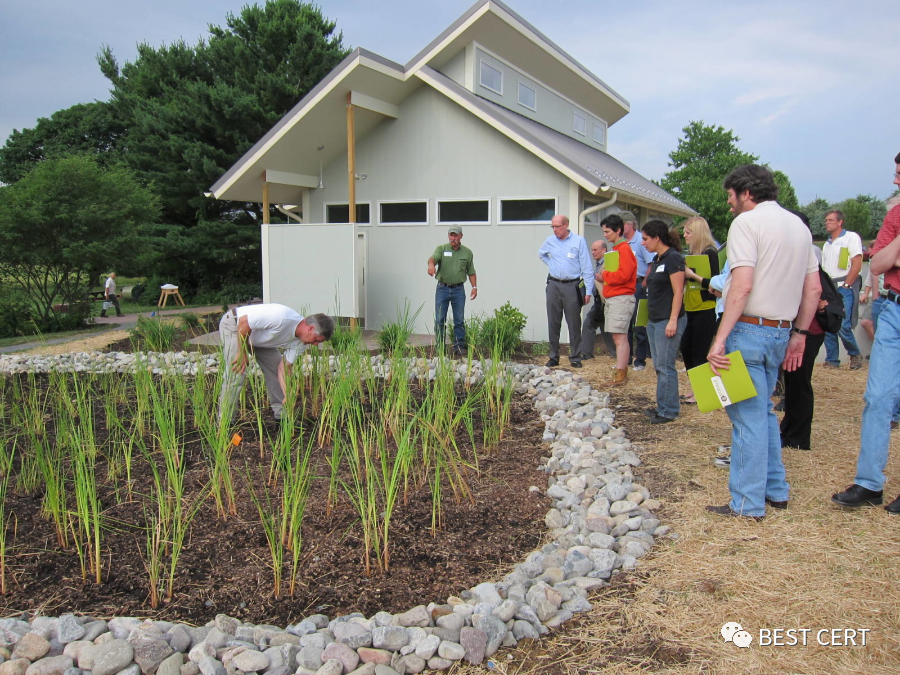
832, 353
878, 304
445, 297
882, 391
757, 471
663, 351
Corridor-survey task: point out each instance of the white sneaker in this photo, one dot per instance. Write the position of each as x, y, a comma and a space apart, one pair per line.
638, 367
722, 462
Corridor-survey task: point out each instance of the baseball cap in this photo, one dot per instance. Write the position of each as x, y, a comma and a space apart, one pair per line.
455, 229
627, 216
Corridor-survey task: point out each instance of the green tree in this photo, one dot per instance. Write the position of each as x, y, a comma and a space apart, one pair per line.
65, 222
702, 160
857, 216
87, 128
193, 111
877, 212
816, 211
787, 197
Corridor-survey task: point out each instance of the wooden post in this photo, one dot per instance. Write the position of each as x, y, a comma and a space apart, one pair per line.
265, 203
351, 161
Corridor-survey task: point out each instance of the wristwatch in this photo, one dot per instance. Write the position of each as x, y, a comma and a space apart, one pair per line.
800, 331
846, 285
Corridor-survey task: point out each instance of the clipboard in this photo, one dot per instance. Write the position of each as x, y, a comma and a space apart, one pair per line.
843, 258
714, 392
643, 313
611, 261
700, 265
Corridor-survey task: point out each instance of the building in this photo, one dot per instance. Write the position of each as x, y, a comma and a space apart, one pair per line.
491, 126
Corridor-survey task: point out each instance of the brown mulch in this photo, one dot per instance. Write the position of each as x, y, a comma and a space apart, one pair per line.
226, 565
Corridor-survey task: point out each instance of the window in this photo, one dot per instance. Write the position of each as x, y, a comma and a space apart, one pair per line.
578, 124
403, 213
537, 211
475, 211
340, 213
599, 133
491, 78
527, 96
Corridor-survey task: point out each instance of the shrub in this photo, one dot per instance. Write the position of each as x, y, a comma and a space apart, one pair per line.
345, 339
16, 314
154, 335
501, 332
189, 321
394, 336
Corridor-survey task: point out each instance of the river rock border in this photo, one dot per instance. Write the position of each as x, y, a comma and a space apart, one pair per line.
601, 522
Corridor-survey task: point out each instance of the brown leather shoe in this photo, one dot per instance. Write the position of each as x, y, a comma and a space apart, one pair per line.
620, 376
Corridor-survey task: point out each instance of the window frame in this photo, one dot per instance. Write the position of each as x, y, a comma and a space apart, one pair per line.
519, 96
325, 206
500, 201
601, 127
575, 117
427, 221
437, 212
482, 64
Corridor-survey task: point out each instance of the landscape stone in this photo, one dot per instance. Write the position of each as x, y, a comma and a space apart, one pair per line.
149, 651
338, 650
251, 661
32, 647
211, 666
68, 629
331, 667
14, 667
52, 665
428, 647
391, 637
171, 665
108, 658
451, 651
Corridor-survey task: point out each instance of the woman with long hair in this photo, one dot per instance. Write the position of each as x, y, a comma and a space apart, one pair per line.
666, 319
699, 303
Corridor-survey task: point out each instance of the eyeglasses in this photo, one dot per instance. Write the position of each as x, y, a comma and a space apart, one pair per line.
896, 175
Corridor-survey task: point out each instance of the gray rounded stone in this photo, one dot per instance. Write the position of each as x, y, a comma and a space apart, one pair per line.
68, 629
51, 665
331, 667
451, 651
343, 653
109, 658
251, 661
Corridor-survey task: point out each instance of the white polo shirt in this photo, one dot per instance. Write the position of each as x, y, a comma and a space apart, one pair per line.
274, 326
831, 253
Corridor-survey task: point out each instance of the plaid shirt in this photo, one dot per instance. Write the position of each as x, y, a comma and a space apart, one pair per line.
889, 231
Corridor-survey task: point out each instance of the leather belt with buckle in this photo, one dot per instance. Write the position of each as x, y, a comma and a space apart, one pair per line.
760, 321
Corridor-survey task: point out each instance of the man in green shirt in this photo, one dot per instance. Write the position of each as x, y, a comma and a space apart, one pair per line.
450, 264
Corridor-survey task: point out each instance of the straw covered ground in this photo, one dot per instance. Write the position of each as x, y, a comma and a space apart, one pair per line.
813, 566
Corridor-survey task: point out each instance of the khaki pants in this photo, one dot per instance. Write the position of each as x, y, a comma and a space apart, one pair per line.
268, 359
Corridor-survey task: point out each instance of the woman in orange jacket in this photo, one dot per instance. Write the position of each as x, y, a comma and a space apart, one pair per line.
618, 292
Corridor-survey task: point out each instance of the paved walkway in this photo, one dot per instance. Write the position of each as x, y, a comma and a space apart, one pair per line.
112, 323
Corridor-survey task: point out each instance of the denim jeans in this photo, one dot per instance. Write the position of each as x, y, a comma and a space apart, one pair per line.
445, 297
757, 471
832, 353
637, 335
663, 351
882, 391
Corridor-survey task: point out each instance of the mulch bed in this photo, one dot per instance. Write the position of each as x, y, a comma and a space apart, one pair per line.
225, 567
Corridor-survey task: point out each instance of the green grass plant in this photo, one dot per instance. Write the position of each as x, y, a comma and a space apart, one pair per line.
154, 334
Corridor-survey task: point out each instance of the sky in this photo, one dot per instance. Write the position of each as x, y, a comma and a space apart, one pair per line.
809, 86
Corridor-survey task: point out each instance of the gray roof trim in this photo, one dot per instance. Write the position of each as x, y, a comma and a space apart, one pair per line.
495, 5
338, 72
587, 166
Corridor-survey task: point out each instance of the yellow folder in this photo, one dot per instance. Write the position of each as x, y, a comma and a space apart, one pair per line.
843, 258
642, 316
611, 261
700, 265
717, 391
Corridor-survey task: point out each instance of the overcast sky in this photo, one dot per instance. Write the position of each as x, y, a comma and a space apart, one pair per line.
810, 86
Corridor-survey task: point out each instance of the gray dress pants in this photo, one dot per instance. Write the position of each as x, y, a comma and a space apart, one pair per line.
268, 359
563, 300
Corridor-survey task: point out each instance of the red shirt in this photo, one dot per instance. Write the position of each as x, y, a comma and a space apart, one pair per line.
888, 232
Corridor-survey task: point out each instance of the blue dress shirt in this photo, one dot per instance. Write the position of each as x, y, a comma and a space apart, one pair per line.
568, 259
644, 257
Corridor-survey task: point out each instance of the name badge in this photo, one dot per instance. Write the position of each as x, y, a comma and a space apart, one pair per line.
661, 268
448, 254
572, 255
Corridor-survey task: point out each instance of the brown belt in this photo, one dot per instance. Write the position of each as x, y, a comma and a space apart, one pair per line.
771, 323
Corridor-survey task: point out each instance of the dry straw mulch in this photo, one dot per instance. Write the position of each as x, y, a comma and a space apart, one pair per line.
813, 566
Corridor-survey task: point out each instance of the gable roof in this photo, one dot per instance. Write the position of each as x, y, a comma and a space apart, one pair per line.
313, 133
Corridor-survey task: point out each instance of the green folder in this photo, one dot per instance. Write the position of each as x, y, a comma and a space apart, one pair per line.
700, 265
843, 258
643, 315
723, 256
713, 392
611, 261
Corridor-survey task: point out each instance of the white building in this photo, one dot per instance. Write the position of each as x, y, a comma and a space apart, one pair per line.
491, 126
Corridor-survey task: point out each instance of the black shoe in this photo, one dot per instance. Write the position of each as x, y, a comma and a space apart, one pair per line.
575, 364
726, 511
779, 407
651, 412
659, 419
894, 507
777, 505
857, 495
552, 363
102, 315
586, 357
